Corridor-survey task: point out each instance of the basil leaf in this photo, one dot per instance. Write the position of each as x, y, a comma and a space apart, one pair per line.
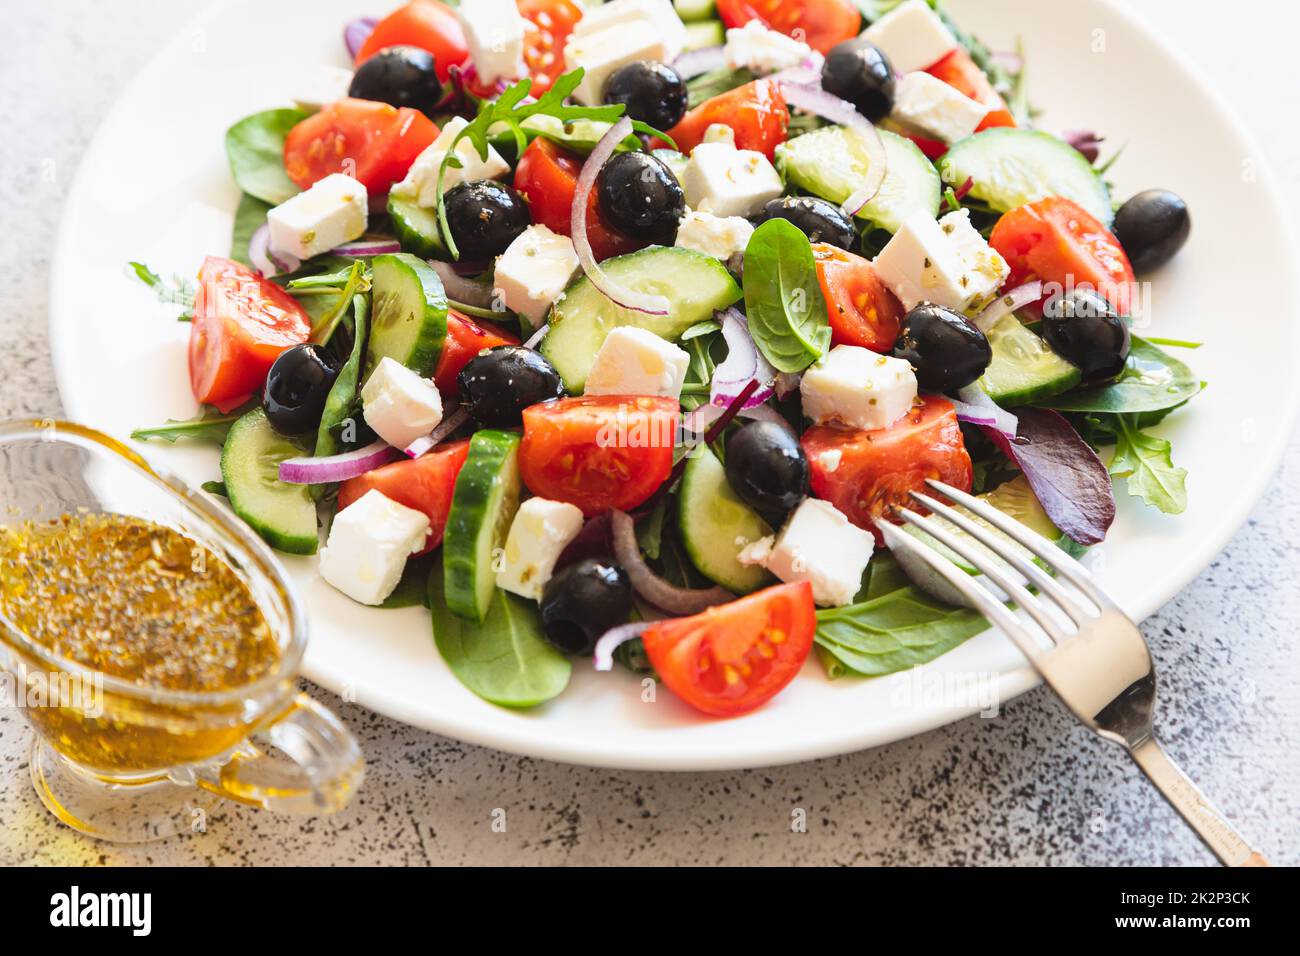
249, 217
1152, 380
783, 299
1147, 461
211, 425
255, 150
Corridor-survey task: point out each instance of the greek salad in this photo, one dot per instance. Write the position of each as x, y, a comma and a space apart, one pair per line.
616, 331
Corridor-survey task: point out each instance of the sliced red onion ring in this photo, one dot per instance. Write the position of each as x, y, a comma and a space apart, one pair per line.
444, 428
319, 471
649, 585
974, 405
357, 32
461, 289
814, 99
1009, 302
369, 247
698, 421
962, 191
266, 261
705, 60
808, 71
603, 657
744, 363
533, 340
608, 286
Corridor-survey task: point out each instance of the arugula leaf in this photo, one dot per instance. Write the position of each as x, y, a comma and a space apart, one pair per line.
783, 298
249, 217
1147, 462
701, 328
179, 291
1152, 380
715, 83
324, 327
210, 425
255, 150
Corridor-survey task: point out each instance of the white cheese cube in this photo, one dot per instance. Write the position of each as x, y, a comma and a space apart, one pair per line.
368, 545
534, 270
326, 85
713, 235
635, 361
986, 270
603, 52
421, 182
656, 17
820, 545
929, 106
494, 33
947, 263
912, 36
333, 211
539, 533
398, 404
726, 181
762, 50
858, 387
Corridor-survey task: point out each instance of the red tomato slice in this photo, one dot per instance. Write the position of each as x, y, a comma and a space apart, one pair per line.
427, 24
819, 23
466, 337
241, 324
959, 71
874, 470
372, 142
544, 46
1058, 241
425, 484
598, 452
862, 310
734, 658
756, 112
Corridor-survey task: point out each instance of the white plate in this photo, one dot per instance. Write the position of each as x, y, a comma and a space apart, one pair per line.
154, 187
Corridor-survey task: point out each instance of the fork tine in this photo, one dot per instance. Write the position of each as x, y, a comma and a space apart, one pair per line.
1017, 591
1032, 572
1052, 556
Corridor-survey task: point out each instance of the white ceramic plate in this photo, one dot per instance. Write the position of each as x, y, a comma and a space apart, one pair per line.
154, 187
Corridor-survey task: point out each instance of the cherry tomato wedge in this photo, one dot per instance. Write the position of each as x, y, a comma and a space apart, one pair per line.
756, 112
959, 71
598, 452
736, 657
372, 142
862, 310
867, 473
425, 484
427, 24
544, 46
466, 337
819, 23
241, 324
1058, 241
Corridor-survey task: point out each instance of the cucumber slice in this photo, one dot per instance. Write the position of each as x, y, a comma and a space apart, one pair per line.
1024, 369
702, 35
483, 504
690, 10
409, 313
826, 164
695, 285
416, 228
1012, 167
283, 514
715, 524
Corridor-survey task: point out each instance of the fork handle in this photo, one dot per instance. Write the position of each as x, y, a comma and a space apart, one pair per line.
1210, 825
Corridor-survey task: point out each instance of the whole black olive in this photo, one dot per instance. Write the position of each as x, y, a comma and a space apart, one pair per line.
767, 467
583, 601
484, 218
817, 219
640, 197
1086, 331
297, 385
944, 347
651, 92
856, 70
401, 76
499, 383
1152, 227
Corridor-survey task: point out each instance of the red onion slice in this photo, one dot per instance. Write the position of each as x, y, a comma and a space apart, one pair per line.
444, 428
266, 261
698, 421
535, 339
369, 247
320, 471
357, 32
814, 99
649, 585
705, 60
460, 289
744, 363
603, 658
974, 405
605, 283
1009, 302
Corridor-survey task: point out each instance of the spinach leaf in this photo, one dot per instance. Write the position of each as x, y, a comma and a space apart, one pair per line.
210, 425
413, 589
1147, 461
255, 149
342, 397
1152, 380
504, 660
783, 299
249, 217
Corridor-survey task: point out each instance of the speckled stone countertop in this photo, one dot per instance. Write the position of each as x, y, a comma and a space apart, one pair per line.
1029, 787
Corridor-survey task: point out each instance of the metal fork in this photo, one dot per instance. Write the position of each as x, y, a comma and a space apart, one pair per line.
1096, 659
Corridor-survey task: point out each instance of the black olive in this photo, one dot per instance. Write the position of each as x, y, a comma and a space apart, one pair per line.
499, 383
401, 76
297, 385
651, 92
640, 197
944, 347
856, 70
583, 601
484, 218
1085, 330
1152, 227
817, 219
767, 467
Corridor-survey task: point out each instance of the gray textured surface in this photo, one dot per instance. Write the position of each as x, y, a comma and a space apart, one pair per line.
1029, 787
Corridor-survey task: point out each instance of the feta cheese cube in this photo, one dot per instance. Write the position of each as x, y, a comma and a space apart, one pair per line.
421, 182
656, 17
912, 36
634, 361
540, 531
713, 235
947, 263
762, 50
929, 106
726, 181
494, 33
859, 388
603, 52
820, 545
398, 404
326, 85
986, 270
534, 270
333, 211
368, 545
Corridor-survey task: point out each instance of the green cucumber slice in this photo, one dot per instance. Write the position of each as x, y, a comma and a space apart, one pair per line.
826, 164
715, 525
483, 504
695, 285
1012, 167
690, 10
283, 514
1024, 369
416, 228
408, 319
706, 33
